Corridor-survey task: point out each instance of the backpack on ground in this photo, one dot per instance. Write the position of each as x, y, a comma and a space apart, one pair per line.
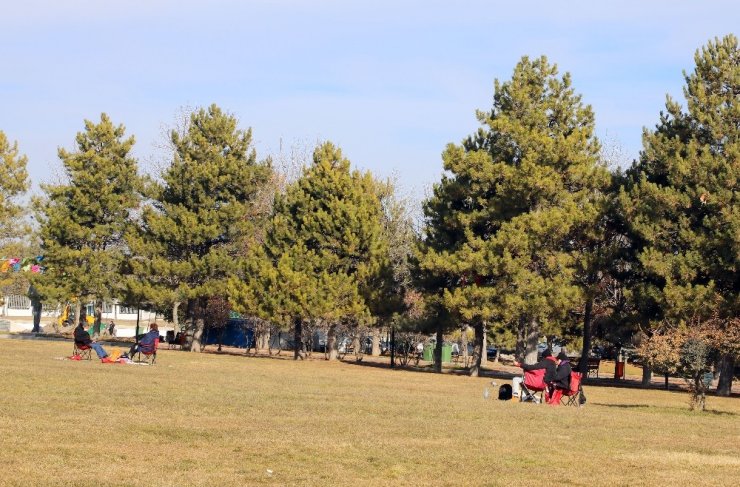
504, 392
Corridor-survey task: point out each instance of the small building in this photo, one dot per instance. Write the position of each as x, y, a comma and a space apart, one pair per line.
20, 306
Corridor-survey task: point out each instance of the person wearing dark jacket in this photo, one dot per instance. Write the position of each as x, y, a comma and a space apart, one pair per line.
82, 338
547, 362
561, 381
146, 342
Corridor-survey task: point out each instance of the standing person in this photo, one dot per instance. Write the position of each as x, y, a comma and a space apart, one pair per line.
547, 362
112, 328
147, 342
82, 337
561, 381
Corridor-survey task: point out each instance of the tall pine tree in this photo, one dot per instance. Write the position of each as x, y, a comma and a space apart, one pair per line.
194, 228
83, 220
500, 225
322, 252
13, 185
683, 201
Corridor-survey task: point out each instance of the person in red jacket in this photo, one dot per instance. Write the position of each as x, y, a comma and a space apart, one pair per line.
547, 362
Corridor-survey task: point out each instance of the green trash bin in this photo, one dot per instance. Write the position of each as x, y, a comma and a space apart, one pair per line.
428, 353
446, 353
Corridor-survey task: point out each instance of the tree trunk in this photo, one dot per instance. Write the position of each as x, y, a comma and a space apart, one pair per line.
175, 319
585, 353
477, 348
532, 339
438, 349
297, 339
198, 326
666, 382
520, 344
647, 375
279, 343
376, 343
331, 343
698, 393
393, 346
484, 346
726, 373
464, 340
263, 341
356, 346
136, 331
78, 312
98, 317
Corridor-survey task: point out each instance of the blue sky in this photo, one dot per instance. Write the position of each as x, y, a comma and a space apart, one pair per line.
391, 82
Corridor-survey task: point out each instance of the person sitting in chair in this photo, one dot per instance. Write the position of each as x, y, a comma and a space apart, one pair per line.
547, 363
82, 339
561, 381
147, 342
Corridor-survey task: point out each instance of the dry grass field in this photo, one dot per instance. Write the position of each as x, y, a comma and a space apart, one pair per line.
224, 420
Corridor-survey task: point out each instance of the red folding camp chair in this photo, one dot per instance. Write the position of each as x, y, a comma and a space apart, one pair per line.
572, 396
82, 350
534, 382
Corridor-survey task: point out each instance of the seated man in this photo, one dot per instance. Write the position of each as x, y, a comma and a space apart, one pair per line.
147, 342
82, 338
561, 381
547, 363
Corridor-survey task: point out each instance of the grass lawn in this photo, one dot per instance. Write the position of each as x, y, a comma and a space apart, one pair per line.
207, 419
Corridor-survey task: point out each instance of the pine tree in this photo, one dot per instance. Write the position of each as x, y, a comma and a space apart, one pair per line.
83, 220
500, 225
682, 204
14, 230
198, 219
322, 251
13, 185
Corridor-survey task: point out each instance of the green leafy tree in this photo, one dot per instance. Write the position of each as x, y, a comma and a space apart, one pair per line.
500, 225
682, 203
82, 220
321, 254
198, 218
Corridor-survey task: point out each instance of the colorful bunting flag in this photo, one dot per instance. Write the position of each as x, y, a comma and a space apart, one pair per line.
27, 264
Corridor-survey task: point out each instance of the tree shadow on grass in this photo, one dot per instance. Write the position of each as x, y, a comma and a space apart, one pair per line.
460, 371
429, 368
676, 408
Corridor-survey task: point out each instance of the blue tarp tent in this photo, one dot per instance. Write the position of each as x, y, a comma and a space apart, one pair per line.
236, 334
